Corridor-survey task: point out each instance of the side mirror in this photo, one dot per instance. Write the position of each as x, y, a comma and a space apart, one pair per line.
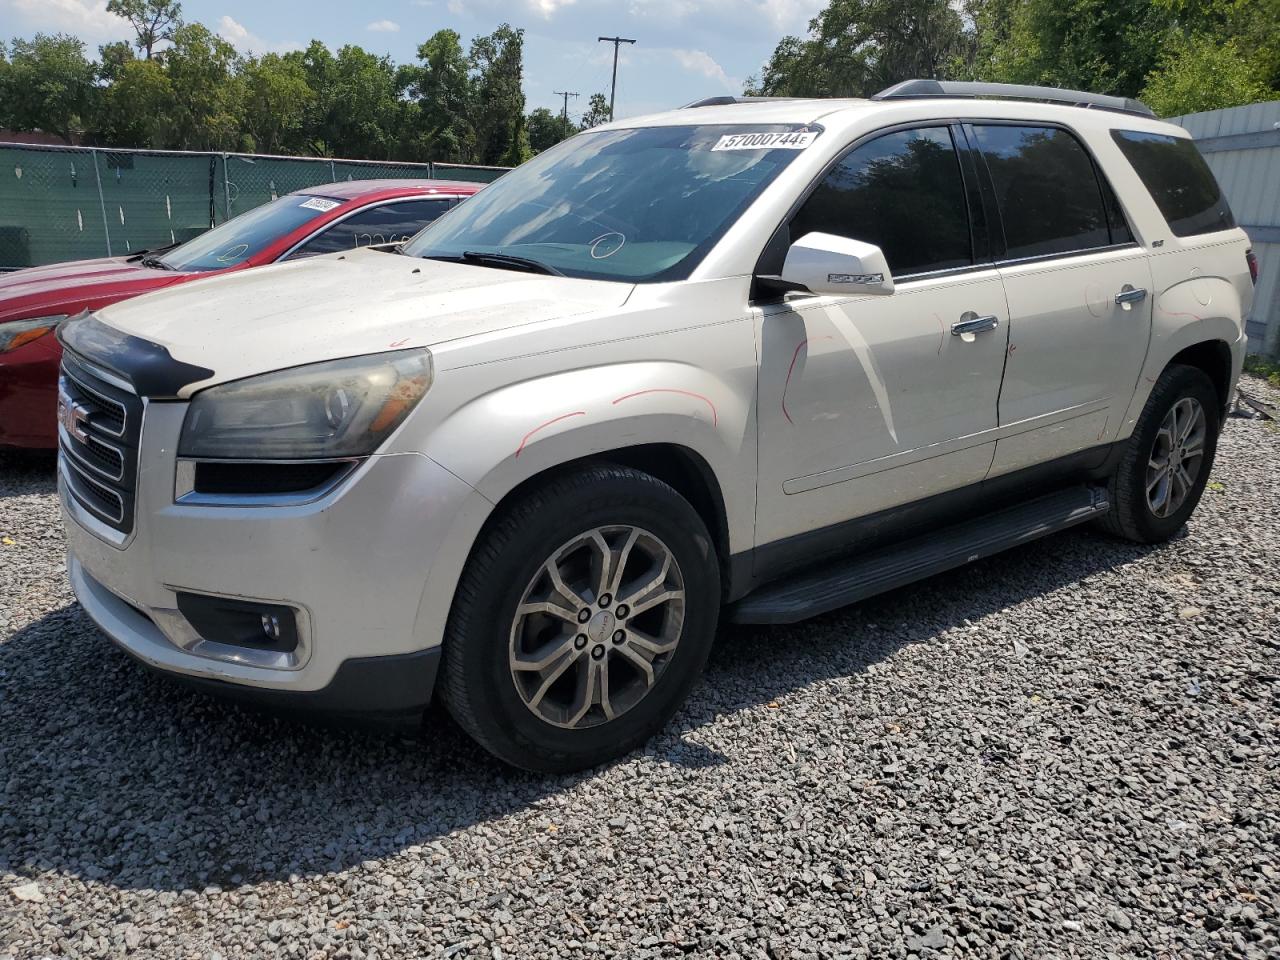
823, 263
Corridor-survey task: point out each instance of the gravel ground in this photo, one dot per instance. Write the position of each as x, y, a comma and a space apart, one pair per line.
1068, 751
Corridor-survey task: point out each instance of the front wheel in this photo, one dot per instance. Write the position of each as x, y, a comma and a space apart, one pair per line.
1167, 460
582, 620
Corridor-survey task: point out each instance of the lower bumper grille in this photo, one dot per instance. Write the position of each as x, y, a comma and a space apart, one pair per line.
99, 426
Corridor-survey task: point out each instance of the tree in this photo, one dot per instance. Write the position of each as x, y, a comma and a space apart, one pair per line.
276, 102
111, 58
445, 94
1201, 74
597, 112
497, 63
545, 129
357, 107
137, 108
856, 47
49, 85
207, 96
152, 20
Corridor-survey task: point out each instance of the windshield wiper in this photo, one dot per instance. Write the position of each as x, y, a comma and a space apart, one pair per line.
509, 262
155, 263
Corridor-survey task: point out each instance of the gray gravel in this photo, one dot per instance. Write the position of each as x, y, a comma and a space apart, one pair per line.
1068, 751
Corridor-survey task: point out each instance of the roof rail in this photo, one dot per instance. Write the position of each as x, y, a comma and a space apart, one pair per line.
726, 100
918, 89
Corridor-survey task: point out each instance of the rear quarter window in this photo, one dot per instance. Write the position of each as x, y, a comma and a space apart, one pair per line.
1179, 181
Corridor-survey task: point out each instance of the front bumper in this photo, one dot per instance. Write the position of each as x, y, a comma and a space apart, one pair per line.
364, 567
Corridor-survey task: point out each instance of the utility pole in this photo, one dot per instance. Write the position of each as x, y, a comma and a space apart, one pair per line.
613, 87
564, 114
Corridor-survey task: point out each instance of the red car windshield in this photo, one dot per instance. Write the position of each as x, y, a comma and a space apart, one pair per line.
240, 238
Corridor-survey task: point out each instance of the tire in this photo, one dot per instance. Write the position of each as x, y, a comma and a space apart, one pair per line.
508, 574
1133, 515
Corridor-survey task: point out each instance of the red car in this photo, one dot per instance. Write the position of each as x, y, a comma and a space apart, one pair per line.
323, 219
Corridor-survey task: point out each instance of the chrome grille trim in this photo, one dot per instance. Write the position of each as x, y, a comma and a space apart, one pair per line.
83, 463
102, 401
76, 476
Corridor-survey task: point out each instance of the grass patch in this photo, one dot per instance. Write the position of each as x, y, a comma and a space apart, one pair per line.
1260, 366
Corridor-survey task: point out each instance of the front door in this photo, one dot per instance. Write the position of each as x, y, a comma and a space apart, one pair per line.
869, 403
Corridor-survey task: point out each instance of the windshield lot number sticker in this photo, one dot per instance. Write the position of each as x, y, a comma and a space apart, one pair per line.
788, 140
319, 203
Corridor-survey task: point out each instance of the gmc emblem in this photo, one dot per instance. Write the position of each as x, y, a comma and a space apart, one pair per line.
73, 416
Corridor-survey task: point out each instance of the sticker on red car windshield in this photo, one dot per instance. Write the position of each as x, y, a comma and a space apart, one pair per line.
319, 203
784, 140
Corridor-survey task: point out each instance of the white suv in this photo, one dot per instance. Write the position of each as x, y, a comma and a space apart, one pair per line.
753, 360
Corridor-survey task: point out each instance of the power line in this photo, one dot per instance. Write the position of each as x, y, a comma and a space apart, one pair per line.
613, 87
564, 113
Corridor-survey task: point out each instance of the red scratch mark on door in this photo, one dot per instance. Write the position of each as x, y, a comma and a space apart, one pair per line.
399, 343
715, 417
543, 426
792, 369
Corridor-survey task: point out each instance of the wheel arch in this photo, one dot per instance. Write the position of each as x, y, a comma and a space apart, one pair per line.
1213, 358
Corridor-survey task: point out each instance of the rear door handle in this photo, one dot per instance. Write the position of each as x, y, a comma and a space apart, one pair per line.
1129, 295
972, 324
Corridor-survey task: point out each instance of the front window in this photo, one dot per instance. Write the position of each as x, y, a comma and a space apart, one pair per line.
630, 205
238, 239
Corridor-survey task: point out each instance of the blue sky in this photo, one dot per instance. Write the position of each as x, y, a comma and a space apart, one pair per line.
687, 48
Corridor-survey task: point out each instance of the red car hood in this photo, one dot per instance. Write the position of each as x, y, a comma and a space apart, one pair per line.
79, 285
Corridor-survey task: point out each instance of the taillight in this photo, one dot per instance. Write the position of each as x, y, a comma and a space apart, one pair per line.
1253, 266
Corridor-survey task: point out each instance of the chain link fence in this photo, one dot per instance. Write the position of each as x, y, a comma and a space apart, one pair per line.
74, 203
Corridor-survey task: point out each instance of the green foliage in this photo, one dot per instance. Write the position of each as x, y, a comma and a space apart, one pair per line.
856, 47
207, 95
277, 99
443, 88
498, 115
545, 129
1205, 52
1260, 366
1198, 73
597, 112
152, 20
136, 108
49, 85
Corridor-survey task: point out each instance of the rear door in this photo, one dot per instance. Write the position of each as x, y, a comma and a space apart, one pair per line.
1078, 288
870, 403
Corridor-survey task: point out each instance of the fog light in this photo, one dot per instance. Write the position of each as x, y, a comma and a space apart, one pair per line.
241, 623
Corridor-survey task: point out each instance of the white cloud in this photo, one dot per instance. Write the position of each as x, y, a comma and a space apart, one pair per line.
86, 19
384, 26
699, 61
546, 9
246, 41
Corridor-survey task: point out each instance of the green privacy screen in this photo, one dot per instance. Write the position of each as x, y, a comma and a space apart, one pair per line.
75, 203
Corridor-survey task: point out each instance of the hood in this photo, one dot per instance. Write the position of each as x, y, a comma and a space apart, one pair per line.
71, 287
344, 305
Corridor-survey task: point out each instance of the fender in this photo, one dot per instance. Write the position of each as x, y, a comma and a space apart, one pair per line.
1196, 310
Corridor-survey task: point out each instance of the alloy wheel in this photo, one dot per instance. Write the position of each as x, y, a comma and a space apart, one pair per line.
596, 626
1177, 456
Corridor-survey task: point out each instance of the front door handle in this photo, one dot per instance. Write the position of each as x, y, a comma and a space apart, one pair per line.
970, 323
1129, 295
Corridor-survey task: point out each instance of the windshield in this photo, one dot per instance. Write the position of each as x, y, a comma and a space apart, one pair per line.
631, 205
241, 237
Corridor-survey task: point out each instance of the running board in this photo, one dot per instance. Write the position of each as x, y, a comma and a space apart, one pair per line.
840, 584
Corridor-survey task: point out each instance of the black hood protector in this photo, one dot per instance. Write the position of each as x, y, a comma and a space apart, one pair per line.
147, 366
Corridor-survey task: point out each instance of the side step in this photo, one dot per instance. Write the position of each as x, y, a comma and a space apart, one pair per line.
845, 582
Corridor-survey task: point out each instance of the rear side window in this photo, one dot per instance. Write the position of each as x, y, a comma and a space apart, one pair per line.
388, 223
1179, 181
904, 193
1047, 189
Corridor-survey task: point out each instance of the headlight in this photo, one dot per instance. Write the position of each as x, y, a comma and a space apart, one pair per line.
340, 408
19, 332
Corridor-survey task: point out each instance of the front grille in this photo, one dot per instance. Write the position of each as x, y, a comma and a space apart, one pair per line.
99, 425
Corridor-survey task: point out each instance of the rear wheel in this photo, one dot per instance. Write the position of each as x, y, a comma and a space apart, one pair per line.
1168, 458
582, 620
